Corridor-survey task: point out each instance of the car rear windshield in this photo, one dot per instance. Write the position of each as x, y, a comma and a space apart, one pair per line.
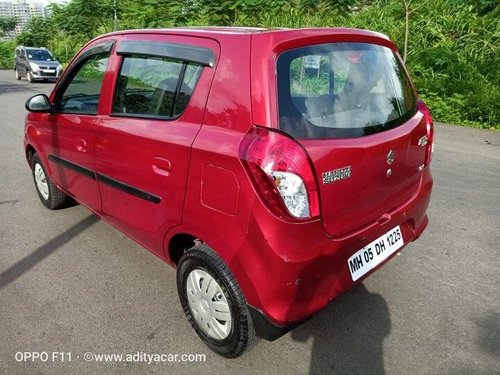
342, 90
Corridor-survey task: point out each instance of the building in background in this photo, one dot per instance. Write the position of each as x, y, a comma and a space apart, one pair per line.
23, 11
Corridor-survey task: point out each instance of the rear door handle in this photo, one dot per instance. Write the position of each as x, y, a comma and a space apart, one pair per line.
81, 145
162, 166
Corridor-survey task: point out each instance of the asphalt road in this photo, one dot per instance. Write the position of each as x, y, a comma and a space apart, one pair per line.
71, 283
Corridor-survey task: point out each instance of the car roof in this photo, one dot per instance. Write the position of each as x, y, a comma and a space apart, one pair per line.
269, 37
214, 31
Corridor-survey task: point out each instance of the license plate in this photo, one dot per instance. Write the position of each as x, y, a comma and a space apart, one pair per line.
376, 252
49, 70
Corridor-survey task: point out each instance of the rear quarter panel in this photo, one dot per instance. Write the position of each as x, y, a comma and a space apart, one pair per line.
218, 199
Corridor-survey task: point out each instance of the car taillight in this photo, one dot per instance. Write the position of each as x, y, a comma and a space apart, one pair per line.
280, 169
422, 107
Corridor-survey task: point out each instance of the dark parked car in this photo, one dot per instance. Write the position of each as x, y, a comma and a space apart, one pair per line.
36, 64
274, 169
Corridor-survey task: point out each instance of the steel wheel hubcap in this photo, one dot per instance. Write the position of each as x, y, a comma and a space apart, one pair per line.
208, 304
41, 181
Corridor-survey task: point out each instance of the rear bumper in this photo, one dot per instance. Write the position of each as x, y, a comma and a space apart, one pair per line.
265, 328
290, 271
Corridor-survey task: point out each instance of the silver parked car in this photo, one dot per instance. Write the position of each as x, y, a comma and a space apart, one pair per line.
36, 64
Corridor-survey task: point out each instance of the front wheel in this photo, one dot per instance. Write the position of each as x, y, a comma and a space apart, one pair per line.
49, 194
16, 73
29, 77
214, 303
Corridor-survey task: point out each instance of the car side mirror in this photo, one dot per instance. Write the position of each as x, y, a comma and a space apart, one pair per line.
39, 103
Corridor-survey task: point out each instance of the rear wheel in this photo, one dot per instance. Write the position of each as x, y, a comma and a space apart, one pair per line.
214, 303
49, 194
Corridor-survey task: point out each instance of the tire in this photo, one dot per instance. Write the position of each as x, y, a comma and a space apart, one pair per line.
18, 77
49, 194
29, 77
232, 333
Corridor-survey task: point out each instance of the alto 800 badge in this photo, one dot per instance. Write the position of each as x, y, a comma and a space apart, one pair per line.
336, 175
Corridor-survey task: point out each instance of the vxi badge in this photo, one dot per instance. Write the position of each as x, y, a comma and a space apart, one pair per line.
336, 175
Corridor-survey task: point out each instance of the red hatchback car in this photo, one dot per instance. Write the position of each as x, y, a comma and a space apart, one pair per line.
274, 169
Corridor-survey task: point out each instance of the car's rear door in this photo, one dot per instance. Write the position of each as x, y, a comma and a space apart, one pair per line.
353, 108
143, 144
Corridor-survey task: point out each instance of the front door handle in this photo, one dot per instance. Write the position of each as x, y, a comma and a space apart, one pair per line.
162, 166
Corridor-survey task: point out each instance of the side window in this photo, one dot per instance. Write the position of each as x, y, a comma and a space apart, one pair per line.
82, 94
154, 86
191, 76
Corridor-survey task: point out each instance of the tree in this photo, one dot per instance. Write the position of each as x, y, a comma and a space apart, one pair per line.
7, 24
409, 8
155, 13
37, 33
86, 18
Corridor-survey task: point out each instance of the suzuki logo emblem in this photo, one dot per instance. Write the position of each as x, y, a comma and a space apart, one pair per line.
390, 157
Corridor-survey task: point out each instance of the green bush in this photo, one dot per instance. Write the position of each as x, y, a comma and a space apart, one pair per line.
7, 49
